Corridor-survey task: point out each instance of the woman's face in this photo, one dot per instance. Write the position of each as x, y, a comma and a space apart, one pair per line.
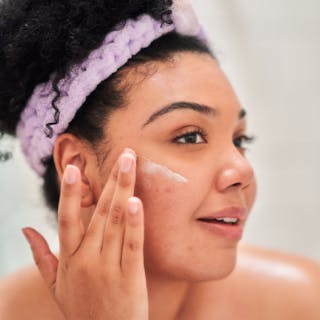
198, 139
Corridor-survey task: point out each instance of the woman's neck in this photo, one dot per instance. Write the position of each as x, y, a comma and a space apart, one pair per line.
166, 298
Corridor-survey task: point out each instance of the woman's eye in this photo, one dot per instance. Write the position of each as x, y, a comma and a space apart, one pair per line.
190, 138
241, 141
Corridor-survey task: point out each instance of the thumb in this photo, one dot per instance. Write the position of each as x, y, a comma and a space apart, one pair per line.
45, 260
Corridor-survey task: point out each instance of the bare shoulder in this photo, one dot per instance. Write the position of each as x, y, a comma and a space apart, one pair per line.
23, 295
264, 285
288, 284
280, 266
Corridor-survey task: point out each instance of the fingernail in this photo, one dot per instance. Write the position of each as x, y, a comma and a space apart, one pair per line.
128, 150
133, 205
126, 161
70, 174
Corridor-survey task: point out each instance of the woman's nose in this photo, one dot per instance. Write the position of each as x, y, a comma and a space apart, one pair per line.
235, 171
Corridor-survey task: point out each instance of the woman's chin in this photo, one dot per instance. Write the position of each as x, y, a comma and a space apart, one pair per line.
216, 272
197, 270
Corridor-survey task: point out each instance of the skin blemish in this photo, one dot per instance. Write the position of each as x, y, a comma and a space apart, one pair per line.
190, 248
168, 190
151, 167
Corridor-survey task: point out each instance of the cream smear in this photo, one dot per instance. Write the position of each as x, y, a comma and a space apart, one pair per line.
151, 167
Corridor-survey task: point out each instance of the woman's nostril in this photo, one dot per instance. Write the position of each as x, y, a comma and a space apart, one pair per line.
237, 184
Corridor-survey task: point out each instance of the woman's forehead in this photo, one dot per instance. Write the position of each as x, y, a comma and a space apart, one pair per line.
192, 77
194, 82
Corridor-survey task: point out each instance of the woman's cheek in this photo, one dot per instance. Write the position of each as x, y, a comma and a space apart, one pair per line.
169, 206
250, 193
168, 196
159, 193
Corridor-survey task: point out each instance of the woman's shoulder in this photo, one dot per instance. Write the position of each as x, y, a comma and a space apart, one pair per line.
285, 286
265, 284
24, 295
281, 266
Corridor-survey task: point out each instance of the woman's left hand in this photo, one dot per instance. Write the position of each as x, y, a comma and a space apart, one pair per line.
100, 272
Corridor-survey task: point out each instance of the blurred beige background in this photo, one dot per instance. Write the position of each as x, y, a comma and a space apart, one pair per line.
270, 51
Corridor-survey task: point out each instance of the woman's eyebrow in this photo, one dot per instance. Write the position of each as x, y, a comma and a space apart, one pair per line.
181, 105
201, 108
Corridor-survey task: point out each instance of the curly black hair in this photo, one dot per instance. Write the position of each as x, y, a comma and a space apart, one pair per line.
39, 38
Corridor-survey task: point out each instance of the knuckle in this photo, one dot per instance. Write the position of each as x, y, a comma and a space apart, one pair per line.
114, 175
116, 214
64, 221
37, 261
104, 205
133, 245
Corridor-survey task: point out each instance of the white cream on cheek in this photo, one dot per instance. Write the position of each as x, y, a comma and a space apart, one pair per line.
150, 167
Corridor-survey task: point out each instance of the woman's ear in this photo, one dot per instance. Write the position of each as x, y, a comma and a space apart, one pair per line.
71, 150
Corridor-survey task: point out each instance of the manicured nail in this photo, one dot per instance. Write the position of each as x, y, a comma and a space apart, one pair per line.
70, 174
126, 161
128, 150
133, 205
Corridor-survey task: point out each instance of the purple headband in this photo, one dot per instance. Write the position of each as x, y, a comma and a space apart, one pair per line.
116, 49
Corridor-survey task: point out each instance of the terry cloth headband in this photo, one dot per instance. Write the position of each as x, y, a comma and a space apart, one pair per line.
116, 49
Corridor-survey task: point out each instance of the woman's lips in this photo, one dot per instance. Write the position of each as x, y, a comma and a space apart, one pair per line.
227, 223
232, 232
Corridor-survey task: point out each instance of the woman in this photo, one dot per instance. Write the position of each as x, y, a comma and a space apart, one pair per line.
123, 110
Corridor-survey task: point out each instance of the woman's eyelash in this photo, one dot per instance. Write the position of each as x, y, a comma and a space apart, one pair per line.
191, 137
240, 140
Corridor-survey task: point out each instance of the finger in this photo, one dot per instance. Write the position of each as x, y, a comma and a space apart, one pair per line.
45, 260
132, 253
94, 234
114, 229
70, 226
